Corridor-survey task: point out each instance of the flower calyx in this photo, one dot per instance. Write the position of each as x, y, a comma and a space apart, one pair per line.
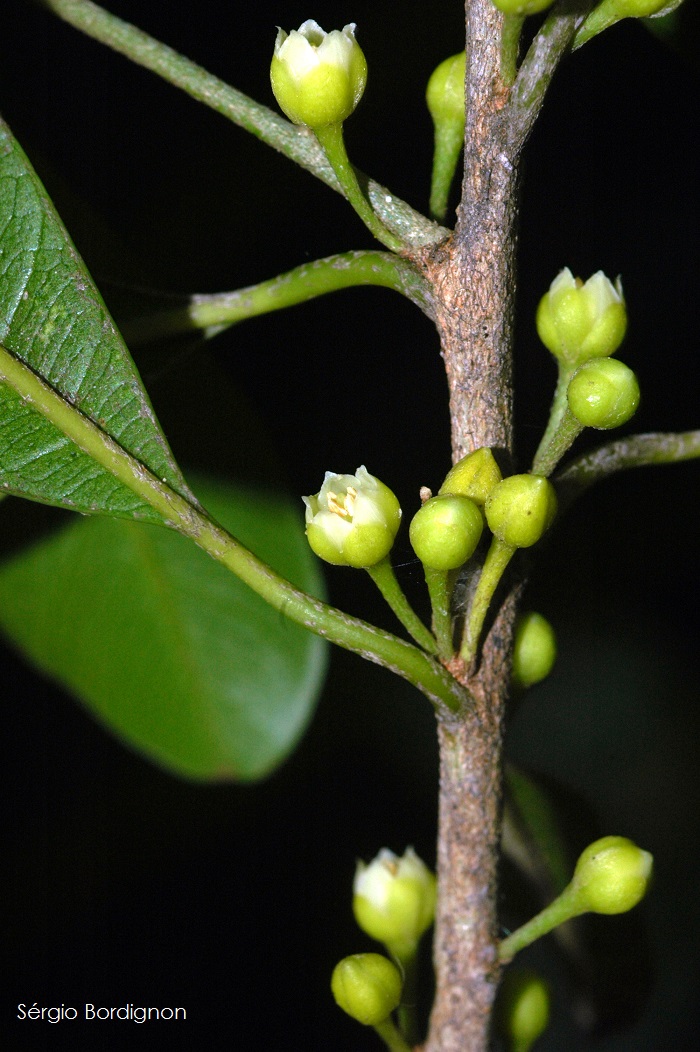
394, 900
367, 986
579, 320
353, 520
318, 78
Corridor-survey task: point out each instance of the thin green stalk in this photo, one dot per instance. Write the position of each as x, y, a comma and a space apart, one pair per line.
407, 1015
382, 573
333, 143
497, 559
557, 430
215, 312
560, 442
564, 907
510, 47
391, 1036
189, 520
438, 582
294, 142
449, 141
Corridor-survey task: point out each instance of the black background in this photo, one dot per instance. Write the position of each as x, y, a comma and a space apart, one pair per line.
123, 884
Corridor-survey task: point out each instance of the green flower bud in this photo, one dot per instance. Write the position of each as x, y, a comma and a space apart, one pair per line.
534, 650
394, 899
612, 875
353, 520
367, 986
520, 509
445, 98
474, 476
603, 393
522, 7
445, 92
445, 531
578, 321
522, 1008
318, 78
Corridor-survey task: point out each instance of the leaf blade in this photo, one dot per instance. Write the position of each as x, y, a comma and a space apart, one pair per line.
175, 655
53, 318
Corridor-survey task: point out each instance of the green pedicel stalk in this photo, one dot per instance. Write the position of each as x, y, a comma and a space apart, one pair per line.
340, 628
497, 559
563, 427
331, 139
510, 47
295, 143
382, 573
391, 1036
439, 591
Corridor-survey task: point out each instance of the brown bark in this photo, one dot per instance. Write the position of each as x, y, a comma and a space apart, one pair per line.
473, 275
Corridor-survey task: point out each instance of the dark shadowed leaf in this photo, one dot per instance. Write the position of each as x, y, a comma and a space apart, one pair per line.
165, 646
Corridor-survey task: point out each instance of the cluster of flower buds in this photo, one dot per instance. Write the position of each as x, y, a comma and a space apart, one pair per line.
583, 324
394, 903
354, 519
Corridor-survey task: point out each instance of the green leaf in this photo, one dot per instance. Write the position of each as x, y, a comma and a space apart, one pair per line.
164, 645
534, 826
53, 318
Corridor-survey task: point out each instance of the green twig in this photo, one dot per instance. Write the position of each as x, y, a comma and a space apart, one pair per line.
634, 452
217, 311
189, 520
298, 144
539, 66
382, 573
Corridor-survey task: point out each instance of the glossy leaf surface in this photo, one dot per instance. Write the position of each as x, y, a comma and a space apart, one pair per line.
165, 646
54, 319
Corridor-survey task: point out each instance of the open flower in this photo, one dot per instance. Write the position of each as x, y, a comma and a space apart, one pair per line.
394, 899
318, 78
353, 520
578, 321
